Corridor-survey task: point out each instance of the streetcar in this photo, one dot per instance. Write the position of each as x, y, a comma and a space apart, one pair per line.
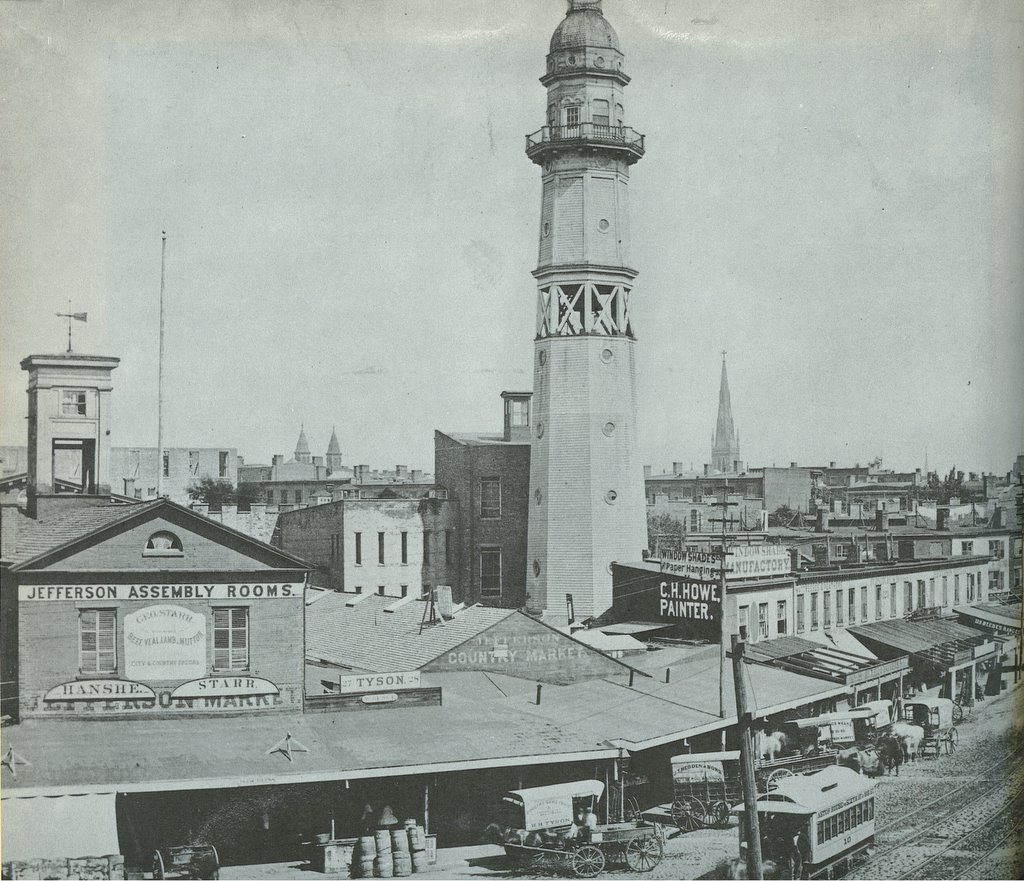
814, 824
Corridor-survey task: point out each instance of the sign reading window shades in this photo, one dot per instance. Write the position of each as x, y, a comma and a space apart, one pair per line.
93, 592
743, 562
364, 682
164, 642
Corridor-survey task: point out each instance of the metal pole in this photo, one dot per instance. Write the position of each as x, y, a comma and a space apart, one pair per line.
160, 379
755, 868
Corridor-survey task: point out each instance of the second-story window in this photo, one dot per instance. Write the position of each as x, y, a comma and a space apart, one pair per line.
839, 607
572, 115
231, 639
863, 603
73, 403
762, 620
97, 645
222, 463
827, 611
800, 613
380, 548
490, 498
359, 549
405, 547
781, 622
814, 611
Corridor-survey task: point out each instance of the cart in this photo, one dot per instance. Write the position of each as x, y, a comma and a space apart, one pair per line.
935, 715
186, 861
537, 841
706, 785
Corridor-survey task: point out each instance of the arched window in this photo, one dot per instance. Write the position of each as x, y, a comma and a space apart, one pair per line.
163, 544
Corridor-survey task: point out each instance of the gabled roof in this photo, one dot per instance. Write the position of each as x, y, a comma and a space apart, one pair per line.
386, 641
45, 542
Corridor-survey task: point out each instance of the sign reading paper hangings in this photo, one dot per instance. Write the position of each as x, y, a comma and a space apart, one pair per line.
93, 592
744, 562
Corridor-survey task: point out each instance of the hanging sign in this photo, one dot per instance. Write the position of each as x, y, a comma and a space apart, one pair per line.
164, 642
99, 690
224, 686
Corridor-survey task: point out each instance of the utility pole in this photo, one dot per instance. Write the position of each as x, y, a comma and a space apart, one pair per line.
726, 522
755, 867
160, 379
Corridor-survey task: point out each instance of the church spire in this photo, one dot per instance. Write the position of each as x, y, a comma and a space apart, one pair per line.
725, 451
333, 458
302, 447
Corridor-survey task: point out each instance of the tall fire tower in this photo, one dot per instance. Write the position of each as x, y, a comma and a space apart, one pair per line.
587, 503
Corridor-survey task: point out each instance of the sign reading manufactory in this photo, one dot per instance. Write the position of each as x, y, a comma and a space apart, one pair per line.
164, 643
93, 592
743, 563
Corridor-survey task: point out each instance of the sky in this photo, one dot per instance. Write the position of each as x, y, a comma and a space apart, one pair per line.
833, 193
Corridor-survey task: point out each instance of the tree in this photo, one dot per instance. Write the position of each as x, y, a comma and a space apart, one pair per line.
783, 516
664, 530
217, 493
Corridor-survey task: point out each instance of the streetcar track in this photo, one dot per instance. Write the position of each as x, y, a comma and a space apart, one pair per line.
917, 834
957, 844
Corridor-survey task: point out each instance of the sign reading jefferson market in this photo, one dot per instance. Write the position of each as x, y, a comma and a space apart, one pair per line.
93, 592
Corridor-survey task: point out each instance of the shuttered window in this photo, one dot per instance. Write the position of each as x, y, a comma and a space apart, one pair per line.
231, 639
97, 644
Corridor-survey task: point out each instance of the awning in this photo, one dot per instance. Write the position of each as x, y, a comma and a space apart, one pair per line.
53, 827
633, 628
834, 661
935, 640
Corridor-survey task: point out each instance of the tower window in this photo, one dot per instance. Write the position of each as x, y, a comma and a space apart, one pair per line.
599, 114
222, 464
572, 115
73, 403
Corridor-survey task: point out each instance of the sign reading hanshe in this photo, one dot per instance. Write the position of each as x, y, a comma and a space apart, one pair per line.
363, 682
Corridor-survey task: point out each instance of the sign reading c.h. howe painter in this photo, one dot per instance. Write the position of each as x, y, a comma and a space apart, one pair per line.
164, 643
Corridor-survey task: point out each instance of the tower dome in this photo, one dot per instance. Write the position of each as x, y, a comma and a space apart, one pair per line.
584, 25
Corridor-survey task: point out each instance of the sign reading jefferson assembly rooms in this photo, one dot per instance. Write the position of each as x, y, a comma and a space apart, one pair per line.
92, 592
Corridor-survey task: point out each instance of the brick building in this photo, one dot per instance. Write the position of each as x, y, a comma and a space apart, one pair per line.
489, 475
394, 547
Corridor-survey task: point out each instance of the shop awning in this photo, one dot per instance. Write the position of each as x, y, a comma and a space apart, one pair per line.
53, 827
824, 661
935, 640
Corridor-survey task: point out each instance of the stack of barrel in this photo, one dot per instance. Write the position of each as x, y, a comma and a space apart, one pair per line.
392, 853
417, 846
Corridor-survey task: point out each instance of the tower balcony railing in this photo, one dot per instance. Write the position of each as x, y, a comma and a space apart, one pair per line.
619, 136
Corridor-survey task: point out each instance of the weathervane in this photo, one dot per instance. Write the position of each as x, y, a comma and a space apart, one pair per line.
72, 316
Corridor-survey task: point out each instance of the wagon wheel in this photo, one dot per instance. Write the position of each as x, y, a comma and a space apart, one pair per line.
537, 862
958, 713
716, 814
158, 866
587, 861
688, 813
777, 775
644, 853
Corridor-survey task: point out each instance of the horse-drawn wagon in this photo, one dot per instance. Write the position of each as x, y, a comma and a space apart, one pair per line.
539, 833
935, 717
186, 861
706, 785
813, 824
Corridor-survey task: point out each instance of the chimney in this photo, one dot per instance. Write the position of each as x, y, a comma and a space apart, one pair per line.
832, 464
881, 520
792, 464
360, 473
737, 466
647, 472
794, 559
129, 486
277, 459
517, 416
821, 520
318, 461
677, 468
416, 475
941, 518
707, 470
401, 471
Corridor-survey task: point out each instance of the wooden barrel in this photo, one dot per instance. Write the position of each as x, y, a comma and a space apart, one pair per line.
417, 840
382, 839
419, 861
400, 841
367, 847
403, 865
383, 867
364, 868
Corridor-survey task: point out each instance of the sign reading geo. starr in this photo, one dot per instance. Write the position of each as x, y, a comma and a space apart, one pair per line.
164, 643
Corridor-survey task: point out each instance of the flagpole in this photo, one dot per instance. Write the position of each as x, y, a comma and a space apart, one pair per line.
160, 378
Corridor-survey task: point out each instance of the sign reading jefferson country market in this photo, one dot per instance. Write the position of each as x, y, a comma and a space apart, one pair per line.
91, 592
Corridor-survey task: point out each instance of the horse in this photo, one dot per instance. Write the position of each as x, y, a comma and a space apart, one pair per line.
910, 737
770, 745
890, 752
864, 761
